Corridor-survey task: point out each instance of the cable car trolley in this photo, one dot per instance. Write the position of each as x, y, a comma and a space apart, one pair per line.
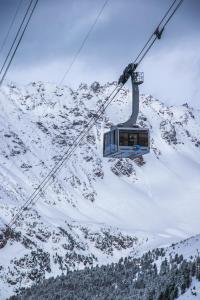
128, 140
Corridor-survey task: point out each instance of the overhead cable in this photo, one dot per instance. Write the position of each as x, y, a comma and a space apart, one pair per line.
156, 35
51, 175
11, 25
64, 157
164, 21
20, 36
84, 41
165, 15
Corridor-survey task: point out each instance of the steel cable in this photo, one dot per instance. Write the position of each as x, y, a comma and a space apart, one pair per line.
19, 41
83, 42
51, 175
11, 25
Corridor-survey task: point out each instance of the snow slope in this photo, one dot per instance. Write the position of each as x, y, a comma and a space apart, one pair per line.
193, 292
96, 210
189, 248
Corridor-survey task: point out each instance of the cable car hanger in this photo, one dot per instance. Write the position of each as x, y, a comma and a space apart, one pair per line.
128, 140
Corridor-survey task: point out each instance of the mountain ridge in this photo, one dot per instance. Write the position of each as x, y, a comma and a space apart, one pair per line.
160, 274
96, 210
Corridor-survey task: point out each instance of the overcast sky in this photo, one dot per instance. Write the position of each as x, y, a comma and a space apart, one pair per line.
57, 28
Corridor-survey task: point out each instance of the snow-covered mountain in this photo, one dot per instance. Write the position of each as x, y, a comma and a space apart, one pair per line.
161, 274
97, 209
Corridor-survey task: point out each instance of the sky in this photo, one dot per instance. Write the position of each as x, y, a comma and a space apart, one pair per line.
57, 29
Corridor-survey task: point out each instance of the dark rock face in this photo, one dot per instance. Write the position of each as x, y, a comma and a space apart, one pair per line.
34, 266
168, 132
107, 242
123, 167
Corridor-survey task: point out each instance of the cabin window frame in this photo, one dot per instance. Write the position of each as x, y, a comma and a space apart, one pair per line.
128, 144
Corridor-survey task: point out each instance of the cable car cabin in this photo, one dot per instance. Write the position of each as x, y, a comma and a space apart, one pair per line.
126, 142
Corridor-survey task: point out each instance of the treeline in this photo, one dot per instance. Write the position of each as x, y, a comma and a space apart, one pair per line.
151, 277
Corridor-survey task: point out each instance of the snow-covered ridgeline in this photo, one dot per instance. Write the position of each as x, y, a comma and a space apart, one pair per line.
97, 209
